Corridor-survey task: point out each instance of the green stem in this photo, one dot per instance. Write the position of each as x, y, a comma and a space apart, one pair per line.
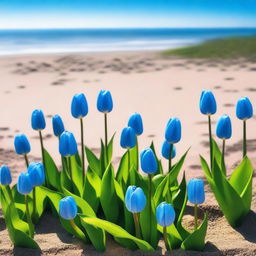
77, 230
106, 135
82, 147
70, 169
10, 193
244, 139
165, 238
26, 160
34, 213
170, 158
223, 157
137, 225
129, 159
196, 216
43, 158
210, 138
150, 200
30, 224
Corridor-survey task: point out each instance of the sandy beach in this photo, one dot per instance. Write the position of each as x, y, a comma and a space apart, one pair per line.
145, 82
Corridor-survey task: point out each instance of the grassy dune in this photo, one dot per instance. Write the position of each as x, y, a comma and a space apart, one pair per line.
222, 48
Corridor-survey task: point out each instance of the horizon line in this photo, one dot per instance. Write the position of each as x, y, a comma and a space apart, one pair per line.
102, 28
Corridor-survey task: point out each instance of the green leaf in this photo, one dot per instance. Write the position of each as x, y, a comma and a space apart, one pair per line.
108, 197
123, 172
17, 228
94, 162
122, 235
77, 176
160, 168
52, 171
196, 240
92, 189
241, 181
134, 154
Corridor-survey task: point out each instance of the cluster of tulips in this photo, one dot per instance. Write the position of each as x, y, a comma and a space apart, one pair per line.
134, 208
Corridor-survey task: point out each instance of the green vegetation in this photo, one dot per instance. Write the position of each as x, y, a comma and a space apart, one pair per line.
222, 48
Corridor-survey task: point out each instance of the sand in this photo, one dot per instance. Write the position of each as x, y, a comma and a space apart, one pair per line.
158, 88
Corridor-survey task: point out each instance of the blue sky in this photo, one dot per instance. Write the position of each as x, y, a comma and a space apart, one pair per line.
126, 13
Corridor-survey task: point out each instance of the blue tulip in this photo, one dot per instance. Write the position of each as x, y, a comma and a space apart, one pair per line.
208, 103
244, 109
166, 147
148, 161
38, 120
165, 214
57, 125
36, 173
173, 131
128, 138
224, 127
5, 175
135, 122
68, 208
104, 102
196, 191
21, 144
67, 145
79, 106
24, 184
135, 199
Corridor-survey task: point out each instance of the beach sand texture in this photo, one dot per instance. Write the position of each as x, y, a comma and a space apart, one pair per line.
158, 88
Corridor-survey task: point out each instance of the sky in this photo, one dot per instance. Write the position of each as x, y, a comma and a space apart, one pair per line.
16, 14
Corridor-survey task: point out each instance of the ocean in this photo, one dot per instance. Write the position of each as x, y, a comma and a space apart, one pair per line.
13, 42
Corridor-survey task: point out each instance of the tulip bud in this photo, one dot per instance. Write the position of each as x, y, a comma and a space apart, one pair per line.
135, 199
38, 120
166, 148
36, 173
208, 103
79, 106
165, 214
5, 175
104, 102
244, 109
224, 128
21, 144
196, 191
57, 125
148, 161
128, 138
67, 145
135, 122
24, 184
68, 208
173, 131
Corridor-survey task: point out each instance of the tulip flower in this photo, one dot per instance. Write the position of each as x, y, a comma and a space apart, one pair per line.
208, 107
224, 132
128, 141
24, 187
38, 124
22, 146
135, 202
172, 135
196, 195
37, 177
165, 216
57, 125
6, 179
79, 109
166, 150
135, 121
68, 148
68, 211
105, 105
244, 111
149, 165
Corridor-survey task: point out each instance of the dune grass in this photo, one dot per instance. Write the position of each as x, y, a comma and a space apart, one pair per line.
242, 47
